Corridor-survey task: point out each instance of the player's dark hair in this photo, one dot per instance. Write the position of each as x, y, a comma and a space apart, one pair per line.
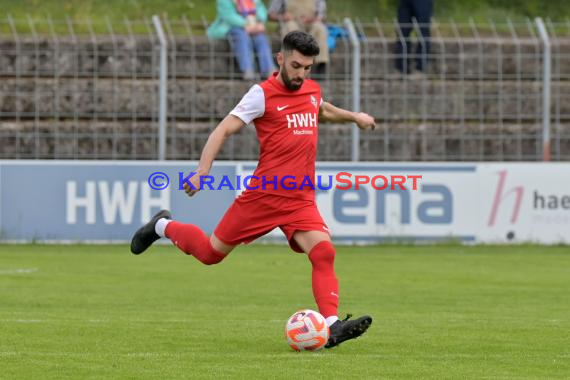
303, 42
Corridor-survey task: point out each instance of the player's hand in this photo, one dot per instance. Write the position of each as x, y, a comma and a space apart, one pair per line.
195, 181
365, 121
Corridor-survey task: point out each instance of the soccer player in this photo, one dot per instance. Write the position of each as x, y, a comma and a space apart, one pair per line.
285, 110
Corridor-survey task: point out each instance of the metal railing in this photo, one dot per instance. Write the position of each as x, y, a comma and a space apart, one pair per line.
73, 90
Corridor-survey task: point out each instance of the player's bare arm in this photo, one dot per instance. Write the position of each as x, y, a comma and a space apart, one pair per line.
230, 125
330, 113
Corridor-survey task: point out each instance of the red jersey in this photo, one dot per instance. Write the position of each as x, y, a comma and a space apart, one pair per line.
286, 123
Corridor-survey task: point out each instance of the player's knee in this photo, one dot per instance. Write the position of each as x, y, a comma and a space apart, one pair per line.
322, 254
204, 253
210, 262
214, 258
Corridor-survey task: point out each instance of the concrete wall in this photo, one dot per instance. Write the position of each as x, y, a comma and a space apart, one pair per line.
202, 58
391, 141
84, 99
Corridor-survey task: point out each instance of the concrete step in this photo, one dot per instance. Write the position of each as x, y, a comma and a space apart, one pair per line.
469, 58
194, 100
390, 142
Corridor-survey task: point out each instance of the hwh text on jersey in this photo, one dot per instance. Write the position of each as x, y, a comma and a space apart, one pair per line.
301, 120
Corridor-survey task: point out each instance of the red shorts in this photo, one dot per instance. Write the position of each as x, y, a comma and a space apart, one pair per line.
254, 214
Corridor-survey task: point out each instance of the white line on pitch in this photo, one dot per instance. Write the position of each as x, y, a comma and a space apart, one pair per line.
18, 271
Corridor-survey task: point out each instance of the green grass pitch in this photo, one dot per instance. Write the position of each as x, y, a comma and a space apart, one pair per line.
83, 311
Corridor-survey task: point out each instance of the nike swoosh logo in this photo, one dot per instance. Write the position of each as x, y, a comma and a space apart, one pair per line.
282, 107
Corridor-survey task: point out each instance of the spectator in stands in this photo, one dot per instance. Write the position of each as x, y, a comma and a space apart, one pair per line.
422, 11
244, 22
307, 16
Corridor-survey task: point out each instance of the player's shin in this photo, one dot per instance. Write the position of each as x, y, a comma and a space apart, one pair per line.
325, 283
191, 240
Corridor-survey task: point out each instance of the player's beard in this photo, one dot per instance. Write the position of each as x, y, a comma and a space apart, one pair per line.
291, 84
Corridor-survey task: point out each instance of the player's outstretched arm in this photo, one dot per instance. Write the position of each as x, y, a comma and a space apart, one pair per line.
330, 113
230, 125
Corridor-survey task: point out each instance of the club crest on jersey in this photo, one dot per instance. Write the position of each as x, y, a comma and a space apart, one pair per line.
314, 101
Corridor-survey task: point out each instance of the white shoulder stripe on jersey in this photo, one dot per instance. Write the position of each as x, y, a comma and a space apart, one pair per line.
251, 106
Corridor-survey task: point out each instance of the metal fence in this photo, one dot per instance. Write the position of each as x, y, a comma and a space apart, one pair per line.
481, 97
71, 90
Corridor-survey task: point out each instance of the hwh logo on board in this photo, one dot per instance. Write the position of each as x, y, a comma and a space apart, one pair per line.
115, 199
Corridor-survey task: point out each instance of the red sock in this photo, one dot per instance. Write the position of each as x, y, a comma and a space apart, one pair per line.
325, 283
193, 241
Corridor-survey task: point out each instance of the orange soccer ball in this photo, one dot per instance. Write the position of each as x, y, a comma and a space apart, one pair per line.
307, 330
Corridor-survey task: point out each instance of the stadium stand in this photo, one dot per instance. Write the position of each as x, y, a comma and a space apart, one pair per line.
76, 95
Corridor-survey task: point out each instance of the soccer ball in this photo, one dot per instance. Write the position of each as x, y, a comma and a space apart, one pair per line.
307, 330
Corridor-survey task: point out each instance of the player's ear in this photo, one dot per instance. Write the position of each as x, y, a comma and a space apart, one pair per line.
280, 59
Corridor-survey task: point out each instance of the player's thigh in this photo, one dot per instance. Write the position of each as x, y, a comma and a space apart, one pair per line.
220, 246
250, 216
308, 239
